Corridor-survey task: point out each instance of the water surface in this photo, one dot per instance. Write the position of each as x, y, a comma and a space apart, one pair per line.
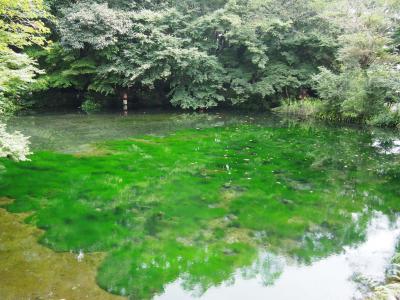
211, 206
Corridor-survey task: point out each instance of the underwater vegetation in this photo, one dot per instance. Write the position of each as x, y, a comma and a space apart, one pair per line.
201, 204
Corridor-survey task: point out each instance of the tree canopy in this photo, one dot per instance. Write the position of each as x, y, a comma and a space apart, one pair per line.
201, 54
21, 25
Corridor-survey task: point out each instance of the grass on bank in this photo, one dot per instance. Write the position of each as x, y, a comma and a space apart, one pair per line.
302, 108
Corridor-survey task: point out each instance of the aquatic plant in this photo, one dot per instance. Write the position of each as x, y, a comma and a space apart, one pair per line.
167, 207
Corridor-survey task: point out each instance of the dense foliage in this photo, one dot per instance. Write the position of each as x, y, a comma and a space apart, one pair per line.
251, 51
365, 85
200, 54
21, 25
13, 145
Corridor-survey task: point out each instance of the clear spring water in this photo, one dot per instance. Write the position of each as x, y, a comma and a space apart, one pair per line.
207, 206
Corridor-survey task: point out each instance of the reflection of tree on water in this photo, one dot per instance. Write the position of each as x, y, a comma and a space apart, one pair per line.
268, 266
386, 142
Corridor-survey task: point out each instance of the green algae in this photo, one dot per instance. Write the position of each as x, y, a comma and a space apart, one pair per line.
200, 204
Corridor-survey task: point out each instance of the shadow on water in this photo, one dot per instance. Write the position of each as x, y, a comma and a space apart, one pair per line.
212, 205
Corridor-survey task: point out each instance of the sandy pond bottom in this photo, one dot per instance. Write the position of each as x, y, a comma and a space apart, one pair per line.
30, 271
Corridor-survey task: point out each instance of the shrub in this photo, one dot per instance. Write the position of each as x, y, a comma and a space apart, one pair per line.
302, 108
390, 117
13, 145
90, 105
361, 95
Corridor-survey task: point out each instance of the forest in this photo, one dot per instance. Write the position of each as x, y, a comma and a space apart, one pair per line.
335, 60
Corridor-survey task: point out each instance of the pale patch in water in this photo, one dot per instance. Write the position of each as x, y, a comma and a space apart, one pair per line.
394, 148
329, 278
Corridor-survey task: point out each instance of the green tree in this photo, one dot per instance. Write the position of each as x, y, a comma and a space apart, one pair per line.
366, 86
21, 25
268, 49
138, 50
13, 145
236, 51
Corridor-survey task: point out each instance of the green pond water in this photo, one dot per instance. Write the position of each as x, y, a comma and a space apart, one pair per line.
212, 206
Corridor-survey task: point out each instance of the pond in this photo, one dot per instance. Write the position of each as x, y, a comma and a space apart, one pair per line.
159, 205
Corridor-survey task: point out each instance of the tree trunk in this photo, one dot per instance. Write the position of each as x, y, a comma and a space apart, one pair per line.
125, 101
